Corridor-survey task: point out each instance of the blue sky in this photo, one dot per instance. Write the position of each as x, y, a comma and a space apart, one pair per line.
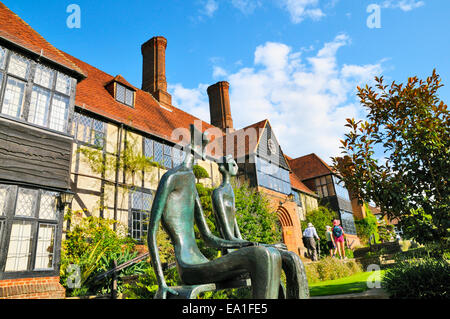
295, 62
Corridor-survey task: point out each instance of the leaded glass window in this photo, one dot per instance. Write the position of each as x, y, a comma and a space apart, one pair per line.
26, 201
158, 152
48, 205
272, 176
14, 97
3, 199
58, 114
19, 66
124, 95
32, 228
63, 83
45, 247
324, 186
2, 58
148, 147
178, 156
19, 250
89, 130
39, 106
141, 205
44, 76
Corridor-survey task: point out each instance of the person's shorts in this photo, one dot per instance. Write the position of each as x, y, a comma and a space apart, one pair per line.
330, 245
339, 239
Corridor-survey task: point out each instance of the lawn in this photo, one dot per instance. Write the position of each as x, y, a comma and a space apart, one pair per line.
353, 284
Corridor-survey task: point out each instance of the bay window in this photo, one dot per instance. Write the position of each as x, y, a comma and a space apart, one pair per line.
272, 176
46, 103
29, 224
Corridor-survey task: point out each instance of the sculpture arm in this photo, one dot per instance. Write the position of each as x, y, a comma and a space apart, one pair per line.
237, 232
155, 217
207, 235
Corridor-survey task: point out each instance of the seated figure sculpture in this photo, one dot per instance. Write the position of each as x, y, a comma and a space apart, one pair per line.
177, 206
223, 201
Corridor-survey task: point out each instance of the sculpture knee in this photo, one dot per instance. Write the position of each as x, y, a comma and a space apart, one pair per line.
268, 254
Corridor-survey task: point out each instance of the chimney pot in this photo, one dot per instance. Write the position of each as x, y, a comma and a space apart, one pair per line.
219, 105
154, 69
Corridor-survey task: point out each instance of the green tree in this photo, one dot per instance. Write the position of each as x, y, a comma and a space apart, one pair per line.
199, 173
410, 124
257, 221
367, 226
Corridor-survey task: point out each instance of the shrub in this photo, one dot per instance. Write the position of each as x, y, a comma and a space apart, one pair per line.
367, 226
91, 243
330, 268
425, 278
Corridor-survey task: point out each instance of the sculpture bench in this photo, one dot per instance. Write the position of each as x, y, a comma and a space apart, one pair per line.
191, 292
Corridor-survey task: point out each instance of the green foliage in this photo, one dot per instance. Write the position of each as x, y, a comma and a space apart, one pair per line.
366, 227
412, 126
426, 278
90, 243
131, 161
199, 172
329, 268
320, 217
146, 285
386, 232
257, 221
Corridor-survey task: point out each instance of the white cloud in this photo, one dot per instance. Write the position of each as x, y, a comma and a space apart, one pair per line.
301, 9
404, 5
219, 72
209, 7
246, 6
305, 98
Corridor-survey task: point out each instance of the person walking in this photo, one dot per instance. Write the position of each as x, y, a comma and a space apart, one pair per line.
330, 241
309, 235
338, 234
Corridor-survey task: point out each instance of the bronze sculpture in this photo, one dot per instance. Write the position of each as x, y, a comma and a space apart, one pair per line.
177, 206
223, 201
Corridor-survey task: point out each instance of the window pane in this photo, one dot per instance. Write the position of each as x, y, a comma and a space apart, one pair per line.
167, 161
3, 199
178, 156
40, 102
120, 93
147, 201
158, 152
45, 247
19, 66
26, 200
44, 76
58, 116
148, 147
129, 97
48, 206
2, 57
19, 250
13, 101
63, 83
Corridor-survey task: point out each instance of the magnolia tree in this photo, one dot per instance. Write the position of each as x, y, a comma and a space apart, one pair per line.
410, 125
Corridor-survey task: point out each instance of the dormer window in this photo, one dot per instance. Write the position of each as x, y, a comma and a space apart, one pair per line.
124, 95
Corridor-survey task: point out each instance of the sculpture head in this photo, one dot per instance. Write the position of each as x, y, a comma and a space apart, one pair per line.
198, 144
228, 166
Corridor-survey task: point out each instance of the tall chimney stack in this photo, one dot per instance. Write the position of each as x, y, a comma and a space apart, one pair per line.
154, 69
219, 105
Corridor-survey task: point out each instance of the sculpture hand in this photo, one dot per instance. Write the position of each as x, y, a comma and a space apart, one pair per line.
162, 292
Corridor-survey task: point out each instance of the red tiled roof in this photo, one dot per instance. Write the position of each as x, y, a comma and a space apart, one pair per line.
147, 115
14, 29
242, 142
309, 166
297, 184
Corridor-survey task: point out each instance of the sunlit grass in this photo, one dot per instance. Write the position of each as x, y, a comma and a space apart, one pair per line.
353, 284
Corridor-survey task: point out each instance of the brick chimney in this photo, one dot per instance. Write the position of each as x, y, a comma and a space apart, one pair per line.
219, 105
154, 69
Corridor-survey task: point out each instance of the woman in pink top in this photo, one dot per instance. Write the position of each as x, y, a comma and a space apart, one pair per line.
338, 234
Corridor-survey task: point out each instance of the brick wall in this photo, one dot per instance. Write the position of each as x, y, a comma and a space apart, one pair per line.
32, 288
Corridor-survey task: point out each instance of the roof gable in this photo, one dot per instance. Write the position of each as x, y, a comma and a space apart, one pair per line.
269, 148
309, 166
